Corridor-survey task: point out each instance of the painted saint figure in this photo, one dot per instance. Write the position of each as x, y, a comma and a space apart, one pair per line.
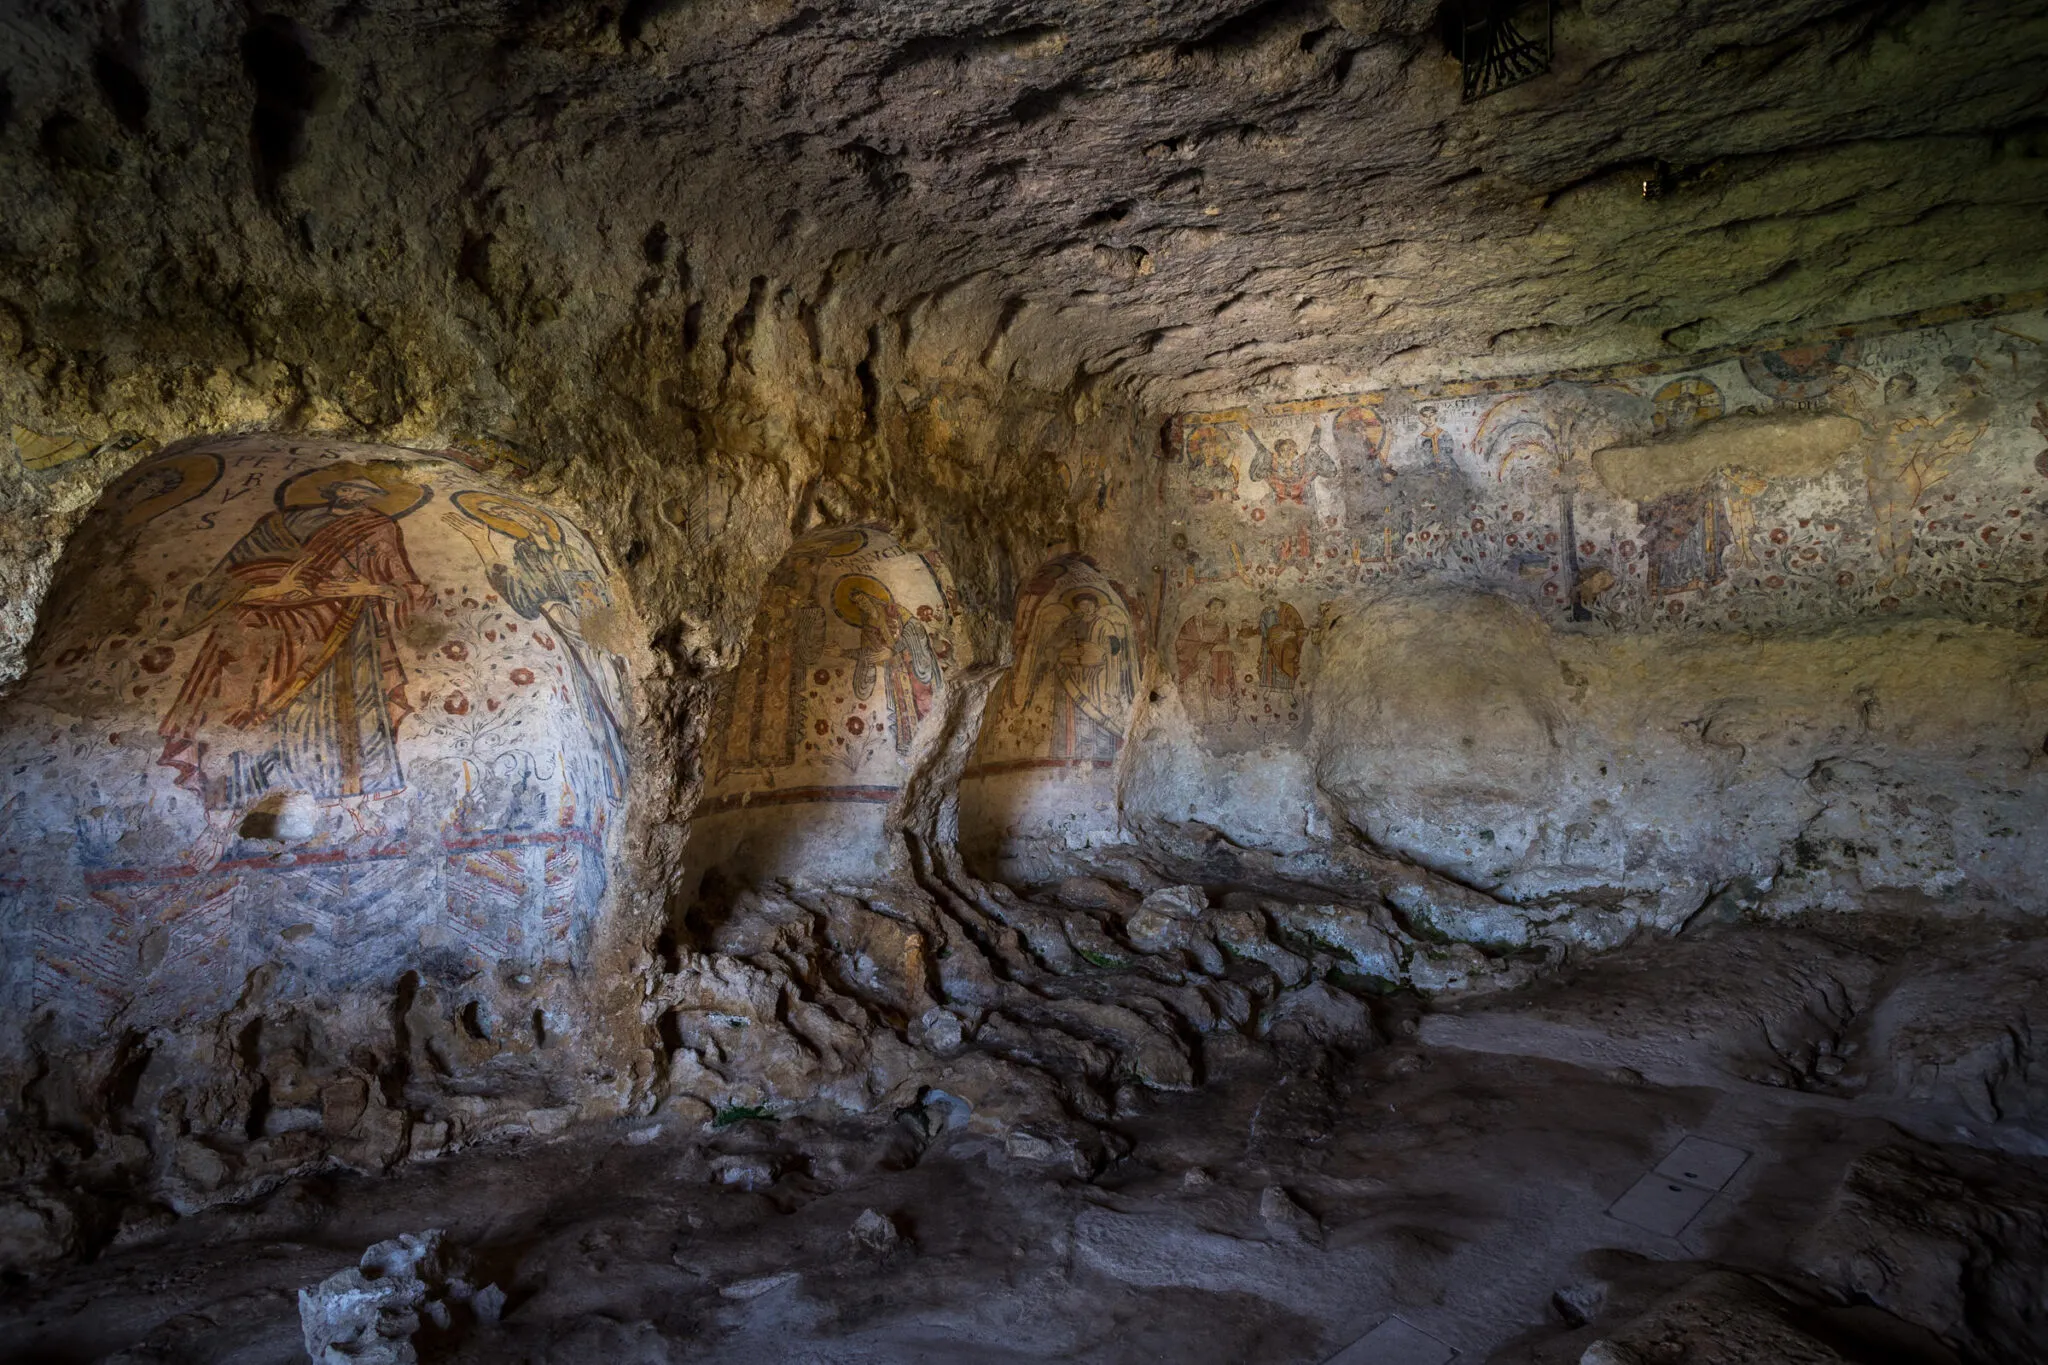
299, 684
1205, 666
892, 645
766, 712
1088, 658
545, 578
1911, 445
1281, 632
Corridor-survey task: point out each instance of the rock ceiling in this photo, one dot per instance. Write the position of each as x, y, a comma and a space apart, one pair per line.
1190, 201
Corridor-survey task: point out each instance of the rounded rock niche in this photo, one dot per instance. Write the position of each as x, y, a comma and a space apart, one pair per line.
1043, 777
340, 711
812, 739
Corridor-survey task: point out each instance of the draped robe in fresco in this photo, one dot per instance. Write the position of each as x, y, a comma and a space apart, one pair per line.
544, 583
299, 682
896, 645
1089, 657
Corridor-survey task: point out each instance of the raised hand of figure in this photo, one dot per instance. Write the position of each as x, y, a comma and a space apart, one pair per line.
479, 538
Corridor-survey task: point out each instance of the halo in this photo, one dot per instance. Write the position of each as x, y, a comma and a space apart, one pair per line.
845, 588
501, 513
836, 543
197, 472
1072, 596
309, 489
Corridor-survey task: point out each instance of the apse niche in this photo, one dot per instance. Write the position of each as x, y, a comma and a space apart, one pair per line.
1043, 780
813, 737
328, 712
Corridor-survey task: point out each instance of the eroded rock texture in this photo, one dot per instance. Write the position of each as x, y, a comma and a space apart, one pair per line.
716, 564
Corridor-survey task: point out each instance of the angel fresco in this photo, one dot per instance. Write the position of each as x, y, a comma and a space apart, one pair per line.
542, 576
1286, 469
1913, 445
299, 683
1087, 659
892, 645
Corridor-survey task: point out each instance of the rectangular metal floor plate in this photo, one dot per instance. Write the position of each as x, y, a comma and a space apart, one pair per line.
1661, 1204
1395, 1342
1700, 1161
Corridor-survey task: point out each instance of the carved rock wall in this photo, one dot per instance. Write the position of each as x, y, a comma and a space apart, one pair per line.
314, 736
1766, 621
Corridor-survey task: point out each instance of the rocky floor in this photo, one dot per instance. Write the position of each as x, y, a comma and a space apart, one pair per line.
1485, 1176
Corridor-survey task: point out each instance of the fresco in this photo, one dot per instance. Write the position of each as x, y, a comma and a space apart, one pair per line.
1068, 697
1281, 515
324, 706
844, 661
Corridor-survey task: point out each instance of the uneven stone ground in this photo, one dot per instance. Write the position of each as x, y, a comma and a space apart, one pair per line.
1438, 1170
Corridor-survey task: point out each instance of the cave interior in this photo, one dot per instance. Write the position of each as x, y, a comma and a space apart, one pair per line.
857, 681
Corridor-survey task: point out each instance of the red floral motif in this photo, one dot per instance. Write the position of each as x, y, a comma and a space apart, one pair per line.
855, 725
821, 725
522, 676
1774, 582
456, 705
821, 676
456, 650
157, 658
545, 641
1779, 535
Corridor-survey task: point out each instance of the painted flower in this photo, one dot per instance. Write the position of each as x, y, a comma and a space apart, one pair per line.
456, 705
855, 725
1774, 582
1779, 535
545, 641
523, 677
1478, 525
821, 676
1889, 604
1845, 579
157, 658
456, 650
821, 726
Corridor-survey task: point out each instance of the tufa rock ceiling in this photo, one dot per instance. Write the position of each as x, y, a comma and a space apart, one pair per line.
398, 217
